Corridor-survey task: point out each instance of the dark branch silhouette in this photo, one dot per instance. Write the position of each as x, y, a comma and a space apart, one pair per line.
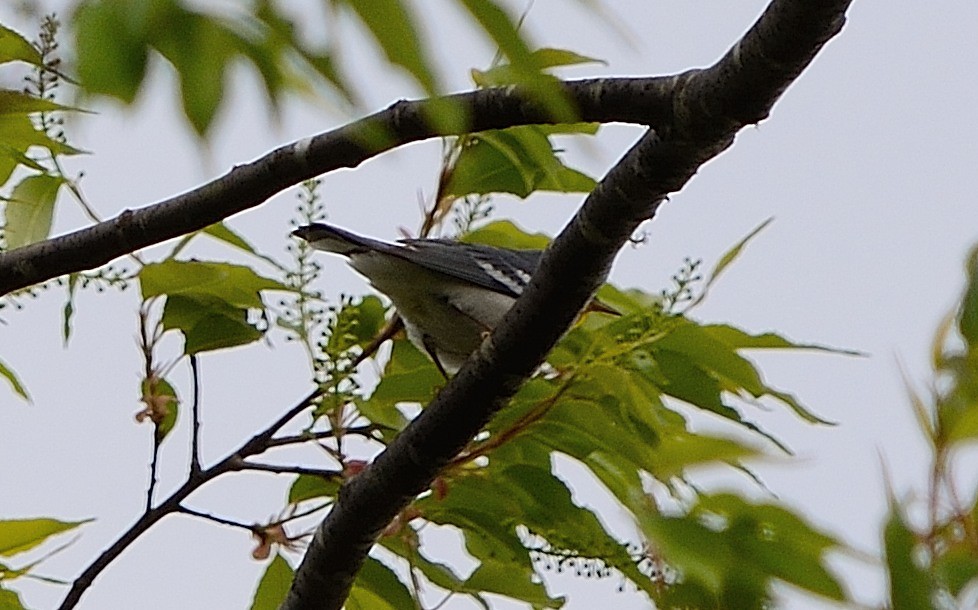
692, 116
709, 107
632, 100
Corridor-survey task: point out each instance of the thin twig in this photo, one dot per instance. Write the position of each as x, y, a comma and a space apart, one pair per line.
195, 429
254, 446
286, 469
196, 513
366, 431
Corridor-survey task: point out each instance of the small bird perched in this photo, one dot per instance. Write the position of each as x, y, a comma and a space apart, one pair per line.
449, 294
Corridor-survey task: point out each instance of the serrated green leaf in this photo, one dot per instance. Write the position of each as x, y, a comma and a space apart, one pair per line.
19, 535
274, 585
281, 35
30, 209
14, 47
488, 508
15, 383
911, 588
378, 588
739, 339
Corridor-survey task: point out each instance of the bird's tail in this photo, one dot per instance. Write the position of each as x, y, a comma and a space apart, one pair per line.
334, 239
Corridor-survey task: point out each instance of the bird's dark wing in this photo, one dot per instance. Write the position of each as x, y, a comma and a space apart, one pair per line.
498, 269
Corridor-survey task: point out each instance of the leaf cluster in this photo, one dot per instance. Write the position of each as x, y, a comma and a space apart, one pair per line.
935, 563
615, 396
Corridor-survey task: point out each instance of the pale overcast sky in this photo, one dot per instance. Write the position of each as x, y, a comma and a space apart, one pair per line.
869, 165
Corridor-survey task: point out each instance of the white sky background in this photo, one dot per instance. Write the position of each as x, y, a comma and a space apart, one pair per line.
869, 164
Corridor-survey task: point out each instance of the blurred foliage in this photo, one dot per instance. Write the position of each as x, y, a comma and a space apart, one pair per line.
933, 563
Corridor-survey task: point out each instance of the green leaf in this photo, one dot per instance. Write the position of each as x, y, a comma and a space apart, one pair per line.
730, 255
505, 234
911, 588
208, 323
730, 551
208, 302
30, 209
393, 27
274, 585
199, 47
11, 377
409, 377
739, 339
698, 368
111, 47
18, 133
488, 506
540, 58
968, 316
19, 535
309, 487
439, 574
18, 102
378, 588
10, 600
222, 232
14, 47
525, 71
518, 160
957, 568
237, 285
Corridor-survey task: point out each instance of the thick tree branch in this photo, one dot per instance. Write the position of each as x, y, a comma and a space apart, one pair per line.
712, 105
635, 100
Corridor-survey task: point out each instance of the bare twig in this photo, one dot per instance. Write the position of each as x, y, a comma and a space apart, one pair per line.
233, 462
195, 428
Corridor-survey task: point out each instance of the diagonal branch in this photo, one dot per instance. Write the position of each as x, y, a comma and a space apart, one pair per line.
711, 106
633, 100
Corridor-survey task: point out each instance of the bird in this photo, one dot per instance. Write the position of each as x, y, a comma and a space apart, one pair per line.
449, 294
